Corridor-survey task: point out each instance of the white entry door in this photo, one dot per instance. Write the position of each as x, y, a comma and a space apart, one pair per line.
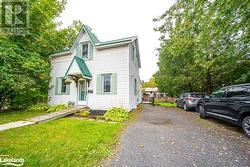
82, 92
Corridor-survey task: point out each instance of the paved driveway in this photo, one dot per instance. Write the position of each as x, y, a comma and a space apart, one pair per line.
163, 136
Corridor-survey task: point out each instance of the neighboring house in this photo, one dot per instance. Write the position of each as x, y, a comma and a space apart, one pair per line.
152, 92
97, 74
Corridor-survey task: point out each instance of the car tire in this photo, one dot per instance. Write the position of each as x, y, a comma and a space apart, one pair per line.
202, 112
246, 126
185, 107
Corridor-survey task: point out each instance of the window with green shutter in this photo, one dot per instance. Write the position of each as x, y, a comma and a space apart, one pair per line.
84, 50
61, 87
106, 84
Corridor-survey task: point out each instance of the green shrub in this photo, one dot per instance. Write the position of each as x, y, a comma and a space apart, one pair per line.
38, 107
84, 113
57, 108
116, 114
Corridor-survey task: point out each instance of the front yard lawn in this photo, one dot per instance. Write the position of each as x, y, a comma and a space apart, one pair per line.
64, 142
10, 116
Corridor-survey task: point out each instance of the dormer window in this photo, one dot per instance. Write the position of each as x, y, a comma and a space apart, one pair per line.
85, 50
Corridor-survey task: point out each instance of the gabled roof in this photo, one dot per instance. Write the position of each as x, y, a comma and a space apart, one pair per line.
95, 41
98, 44
82, 66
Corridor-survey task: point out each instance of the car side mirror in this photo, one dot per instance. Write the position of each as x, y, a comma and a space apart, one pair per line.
206, 97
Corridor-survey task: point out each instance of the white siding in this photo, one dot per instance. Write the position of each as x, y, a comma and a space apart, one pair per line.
59, 67
134, 100
113, 60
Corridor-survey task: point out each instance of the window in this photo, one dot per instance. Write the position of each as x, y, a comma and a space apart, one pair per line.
85, 50
218, 94
63, 86
106, 83
238, 92
135, 86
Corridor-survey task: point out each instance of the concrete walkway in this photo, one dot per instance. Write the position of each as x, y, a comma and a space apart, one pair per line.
16, 124
38, 119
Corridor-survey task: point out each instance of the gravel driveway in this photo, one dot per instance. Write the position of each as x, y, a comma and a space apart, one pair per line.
165, 136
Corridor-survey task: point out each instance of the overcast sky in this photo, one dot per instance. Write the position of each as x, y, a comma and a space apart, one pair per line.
111, 19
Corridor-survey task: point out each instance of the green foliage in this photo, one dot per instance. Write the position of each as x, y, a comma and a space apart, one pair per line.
204, 45
150, 84
24, 59
47, 108
39, 107
116, 114
57, 108
24, 76
83, 113
166, 104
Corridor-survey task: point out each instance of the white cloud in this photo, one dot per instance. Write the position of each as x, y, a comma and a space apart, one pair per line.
111, 19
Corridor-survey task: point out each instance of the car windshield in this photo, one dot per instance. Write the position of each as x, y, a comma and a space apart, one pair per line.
197, 95
218, 94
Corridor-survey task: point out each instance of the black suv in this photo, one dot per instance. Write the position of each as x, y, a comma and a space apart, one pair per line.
231, 104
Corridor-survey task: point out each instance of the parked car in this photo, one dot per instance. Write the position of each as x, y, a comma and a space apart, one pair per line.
231, 104
189, 100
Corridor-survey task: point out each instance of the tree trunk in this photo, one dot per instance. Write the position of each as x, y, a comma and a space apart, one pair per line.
190, 87
209, 82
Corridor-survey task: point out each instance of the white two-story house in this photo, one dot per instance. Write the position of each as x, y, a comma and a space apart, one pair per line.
97, 74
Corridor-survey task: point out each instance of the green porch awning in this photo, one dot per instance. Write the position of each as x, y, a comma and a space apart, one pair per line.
82, 66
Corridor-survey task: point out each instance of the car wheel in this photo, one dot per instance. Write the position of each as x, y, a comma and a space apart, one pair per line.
202, 111
185, 107
246, 126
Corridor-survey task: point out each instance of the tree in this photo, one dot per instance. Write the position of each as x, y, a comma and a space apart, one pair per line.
151, 83
24, 76
204, 45
24, 59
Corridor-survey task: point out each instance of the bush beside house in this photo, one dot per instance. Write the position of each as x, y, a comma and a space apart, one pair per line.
116, 114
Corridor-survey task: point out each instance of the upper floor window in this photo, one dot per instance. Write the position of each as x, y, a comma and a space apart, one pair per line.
85, 50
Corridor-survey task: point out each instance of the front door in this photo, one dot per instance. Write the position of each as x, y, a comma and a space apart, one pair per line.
82, 92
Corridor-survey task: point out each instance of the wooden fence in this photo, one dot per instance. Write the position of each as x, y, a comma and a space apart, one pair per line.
146, 98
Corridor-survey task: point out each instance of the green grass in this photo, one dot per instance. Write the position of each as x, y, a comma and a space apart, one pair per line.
166, 104
64, 142
10, 116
